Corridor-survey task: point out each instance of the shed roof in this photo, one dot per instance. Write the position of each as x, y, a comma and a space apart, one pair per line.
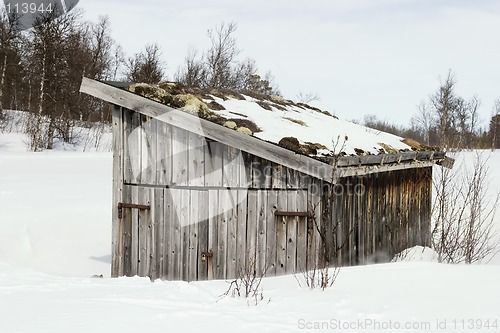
258, 124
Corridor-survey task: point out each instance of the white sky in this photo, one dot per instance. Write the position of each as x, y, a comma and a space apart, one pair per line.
361, 56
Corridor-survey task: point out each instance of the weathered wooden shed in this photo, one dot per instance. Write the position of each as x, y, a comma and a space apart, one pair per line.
195, 199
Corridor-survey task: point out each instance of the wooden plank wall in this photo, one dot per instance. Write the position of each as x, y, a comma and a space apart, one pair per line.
214, 202
380, 215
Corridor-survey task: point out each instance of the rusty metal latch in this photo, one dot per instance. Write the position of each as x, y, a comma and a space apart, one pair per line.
205, 255
122, 205
298, 214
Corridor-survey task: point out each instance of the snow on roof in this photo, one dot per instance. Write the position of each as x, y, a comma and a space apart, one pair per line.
273, 118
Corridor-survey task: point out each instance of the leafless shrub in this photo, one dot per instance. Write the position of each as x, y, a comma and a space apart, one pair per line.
463, 214
319, 278
323, 274
248, 283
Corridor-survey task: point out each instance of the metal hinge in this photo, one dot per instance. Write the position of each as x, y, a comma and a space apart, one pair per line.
122, 205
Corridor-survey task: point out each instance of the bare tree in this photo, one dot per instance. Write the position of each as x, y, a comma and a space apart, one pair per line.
8, 49
307, 97
495, 126
424, 123
193, 73
463, 214
221, 55
146, 66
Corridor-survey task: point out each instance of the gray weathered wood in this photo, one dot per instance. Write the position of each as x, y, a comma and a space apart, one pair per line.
170, 220
281, 240
213, 164
135, 243
241, 236
128, 127
301, 232
118, 224
272, 206
261, 256
291, 234
278, 176
232, 161
221, 255
174, 264
252, 218
145, 233
232, 234
185, 211
163, 153
159, 255
148, 150
213, 209
127, 234
180, 158
193, 236
196, 157
203, 234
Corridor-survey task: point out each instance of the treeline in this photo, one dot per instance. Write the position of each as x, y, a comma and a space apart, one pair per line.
446, 120
41, 71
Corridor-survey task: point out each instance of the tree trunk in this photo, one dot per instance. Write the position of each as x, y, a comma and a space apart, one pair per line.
2, 81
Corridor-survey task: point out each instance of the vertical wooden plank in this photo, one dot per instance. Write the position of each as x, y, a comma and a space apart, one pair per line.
278, 179
135, 149
261, 263
193, 236
311, 254
301, 232
272, 207
128, 146
179, 156
281, 240
146, 233
163, 153
232, 164
292, 179
175, 245
241, 238
196, 160
148, 150
268, 174
203, 234
246, 170
291, 234
232, 232
169, 220
262, 171
317, 245
221, 257
117, 247
252, 218
185, 210
134, 256
213, 164
213, 208
158, 256
127, 233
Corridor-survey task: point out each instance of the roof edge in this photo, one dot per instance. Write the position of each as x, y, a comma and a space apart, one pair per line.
194, 124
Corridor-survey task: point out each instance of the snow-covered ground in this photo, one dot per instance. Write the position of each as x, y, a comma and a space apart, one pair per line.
55, 234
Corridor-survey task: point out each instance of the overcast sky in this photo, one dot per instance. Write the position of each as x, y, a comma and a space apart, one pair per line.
361, 56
